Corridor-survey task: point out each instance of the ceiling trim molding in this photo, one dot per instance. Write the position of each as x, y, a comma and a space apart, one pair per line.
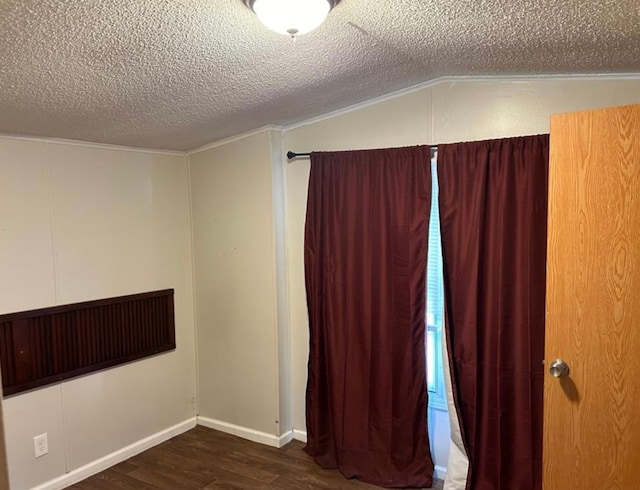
540, 77
450, 79
233, 138
89, 144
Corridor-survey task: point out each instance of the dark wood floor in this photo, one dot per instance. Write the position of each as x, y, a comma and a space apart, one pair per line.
206, 459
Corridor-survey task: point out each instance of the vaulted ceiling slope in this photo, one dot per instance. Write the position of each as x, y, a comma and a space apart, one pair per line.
176, 74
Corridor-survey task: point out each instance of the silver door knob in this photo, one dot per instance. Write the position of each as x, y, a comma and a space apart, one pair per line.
559, 369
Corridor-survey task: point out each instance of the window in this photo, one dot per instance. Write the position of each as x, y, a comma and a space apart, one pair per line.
435, 303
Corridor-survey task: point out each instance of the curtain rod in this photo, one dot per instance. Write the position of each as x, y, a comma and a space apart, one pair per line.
291, 154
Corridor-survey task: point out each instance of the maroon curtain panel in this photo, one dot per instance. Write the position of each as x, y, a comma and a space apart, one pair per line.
493, 215
365, 258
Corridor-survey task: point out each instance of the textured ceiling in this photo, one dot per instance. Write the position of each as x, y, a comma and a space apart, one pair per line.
176, 74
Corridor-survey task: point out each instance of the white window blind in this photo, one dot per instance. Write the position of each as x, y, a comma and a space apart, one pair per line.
435, 302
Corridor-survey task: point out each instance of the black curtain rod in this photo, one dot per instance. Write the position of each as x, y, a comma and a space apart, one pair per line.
291, 154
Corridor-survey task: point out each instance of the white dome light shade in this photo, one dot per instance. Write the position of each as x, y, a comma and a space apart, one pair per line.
291, 17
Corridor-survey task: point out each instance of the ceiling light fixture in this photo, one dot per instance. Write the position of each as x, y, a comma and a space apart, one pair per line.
291, 17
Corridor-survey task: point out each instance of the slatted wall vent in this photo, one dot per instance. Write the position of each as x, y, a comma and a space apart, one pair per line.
44, 346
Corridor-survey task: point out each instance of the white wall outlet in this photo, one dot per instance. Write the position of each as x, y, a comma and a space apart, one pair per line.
40, 445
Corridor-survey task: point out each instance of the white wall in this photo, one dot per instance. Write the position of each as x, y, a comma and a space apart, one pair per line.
80, 223
444, 112
242, 379
474, 109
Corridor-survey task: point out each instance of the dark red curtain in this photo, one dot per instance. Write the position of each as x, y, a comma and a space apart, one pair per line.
493, 215
365, 260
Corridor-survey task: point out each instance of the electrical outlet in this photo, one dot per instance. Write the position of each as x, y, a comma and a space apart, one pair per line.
40, 445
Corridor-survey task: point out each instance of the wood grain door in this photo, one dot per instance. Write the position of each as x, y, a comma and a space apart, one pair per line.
4, 470
592, 415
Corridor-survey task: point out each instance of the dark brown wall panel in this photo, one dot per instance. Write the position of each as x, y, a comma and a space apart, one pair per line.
41, 347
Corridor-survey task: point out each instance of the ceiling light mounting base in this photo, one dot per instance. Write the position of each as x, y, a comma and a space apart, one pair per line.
332, 3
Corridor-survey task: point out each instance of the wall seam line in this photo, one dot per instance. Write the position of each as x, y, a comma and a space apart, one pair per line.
56, 287
193, 287
52, 224
285, 214
274, 241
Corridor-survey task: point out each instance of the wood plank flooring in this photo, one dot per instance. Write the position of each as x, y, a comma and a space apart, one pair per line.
207, 459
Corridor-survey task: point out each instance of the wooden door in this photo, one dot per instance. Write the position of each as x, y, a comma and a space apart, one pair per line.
4, 470
592, 416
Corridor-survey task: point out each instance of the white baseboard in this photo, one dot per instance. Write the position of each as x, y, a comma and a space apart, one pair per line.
300, 435
440, 472
247, 433
285, 438
116, 457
